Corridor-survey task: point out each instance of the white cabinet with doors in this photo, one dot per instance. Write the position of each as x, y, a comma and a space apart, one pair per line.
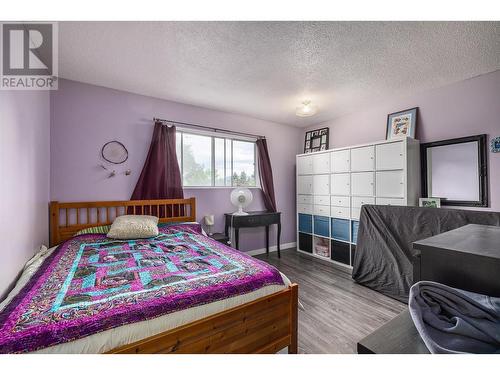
340, 161
305, 165
333, 186
357, 203
321, 184
390, 201
362, 184
390, 184
390, 156
340, 184
321, 164
363, 159
304, 184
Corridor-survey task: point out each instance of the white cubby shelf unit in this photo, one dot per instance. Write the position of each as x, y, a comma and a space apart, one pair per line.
333, 185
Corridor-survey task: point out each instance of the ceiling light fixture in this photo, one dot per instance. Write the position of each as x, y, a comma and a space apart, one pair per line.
306, 109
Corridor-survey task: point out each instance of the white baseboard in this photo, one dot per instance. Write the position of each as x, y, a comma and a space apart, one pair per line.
271, 248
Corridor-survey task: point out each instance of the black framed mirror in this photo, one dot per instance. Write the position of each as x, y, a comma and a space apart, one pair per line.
456, 170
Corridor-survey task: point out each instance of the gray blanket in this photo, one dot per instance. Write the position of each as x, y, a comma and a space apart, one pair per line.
452, 320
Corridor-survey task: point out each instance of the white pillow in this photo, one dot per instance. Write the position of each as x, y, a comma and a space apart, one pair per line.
128, 227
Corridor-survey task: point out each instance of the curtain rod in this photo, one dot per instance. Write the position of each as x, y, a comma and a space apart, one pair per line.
216, 130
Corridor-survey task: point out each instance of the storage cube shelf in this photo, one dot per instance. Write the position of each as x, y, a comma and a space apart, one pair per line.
354, 231
341, 252
305, 223
340, 230
333, 185
321, 247
305, 242
321, 226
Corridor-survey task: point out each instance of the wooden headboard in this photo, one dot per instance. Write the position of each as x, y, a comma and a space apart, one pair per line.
68, 218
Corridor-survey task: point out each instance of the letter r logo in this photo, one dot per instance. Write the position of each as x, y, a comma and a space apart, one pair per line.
27, 49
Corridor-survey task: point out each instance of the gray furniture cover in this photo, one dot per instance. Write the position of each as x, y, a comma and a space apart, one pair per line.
384, 253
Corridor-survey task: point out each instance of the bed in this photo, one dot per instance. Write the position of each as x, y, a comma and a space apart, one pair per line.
223, 301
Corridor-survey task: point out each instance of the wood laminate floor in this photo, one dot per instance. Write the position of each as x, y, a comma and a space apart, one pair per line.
336, 312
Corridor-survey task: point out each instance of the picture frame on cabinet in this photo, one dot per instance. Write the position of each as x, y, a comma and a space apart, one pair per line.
429, 202
401, 124
316, 140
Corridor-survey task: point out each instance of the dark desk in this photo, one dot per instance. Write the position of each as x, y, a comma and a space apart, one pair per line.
466, 258
254, 219
398, 336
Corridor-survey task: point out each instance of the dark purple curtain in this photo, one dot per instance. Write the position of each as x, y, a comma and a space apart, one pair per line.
160, 177
266, 175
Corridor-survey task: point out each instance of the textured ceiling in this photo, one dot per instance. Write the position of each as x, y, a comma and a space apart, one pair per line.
265, 69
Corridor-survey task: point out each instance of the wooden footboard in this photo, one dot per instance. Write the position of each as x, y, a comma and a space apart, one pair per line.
265, 325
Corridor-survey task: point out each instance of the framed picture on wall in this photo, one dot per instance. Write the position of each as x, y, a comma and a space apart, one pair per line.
401, 124
316, 140
495, 144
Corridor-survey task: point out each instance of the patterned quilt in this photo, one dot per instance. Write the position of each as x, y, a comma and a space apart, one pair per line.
91, 284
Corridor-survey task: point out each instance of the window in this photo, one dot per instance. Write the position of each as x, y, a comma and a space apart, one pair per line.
207, 160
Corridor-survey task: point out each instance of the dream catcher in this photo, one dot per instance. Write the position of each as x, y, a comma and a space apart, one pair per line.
114, 152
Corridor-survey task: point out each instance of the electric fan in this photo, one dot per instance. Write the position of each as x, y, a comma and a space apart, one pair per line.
241, 197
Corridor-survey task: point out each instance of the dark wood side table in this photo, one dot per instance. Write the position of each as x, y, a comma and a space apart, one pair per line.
466, 258
254, 219
398, 336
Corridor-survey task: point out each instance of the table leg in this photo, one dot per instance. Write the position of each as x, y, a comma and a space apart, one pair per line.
279, 235
267, 240
237, 238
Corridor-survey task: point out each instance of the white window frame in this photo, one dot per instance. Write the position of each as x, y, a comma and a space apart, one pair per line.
213, 135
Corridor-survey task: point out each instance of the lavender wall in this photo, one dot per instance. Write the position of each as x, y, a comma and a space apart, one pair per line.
24, 182
83, 117
465, 108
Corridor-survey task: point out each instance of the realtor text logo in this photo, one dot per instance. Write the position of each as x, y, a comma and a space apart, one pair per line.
28, 56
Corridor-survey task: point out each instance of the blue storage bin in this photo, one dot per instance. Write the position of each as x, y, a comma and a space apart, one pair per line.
322, 226
355, 226
340, 229
305, 223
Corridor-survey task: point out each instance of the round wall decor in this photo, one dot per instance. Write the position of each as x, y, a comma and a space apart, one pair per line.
114, 152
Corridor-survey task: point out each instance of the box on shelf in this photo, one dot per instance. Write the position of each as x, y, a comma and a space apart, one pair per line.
322, 247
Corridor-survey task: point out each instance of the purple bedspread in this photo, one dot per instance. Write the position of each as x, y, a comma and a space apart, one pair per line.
91, 283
